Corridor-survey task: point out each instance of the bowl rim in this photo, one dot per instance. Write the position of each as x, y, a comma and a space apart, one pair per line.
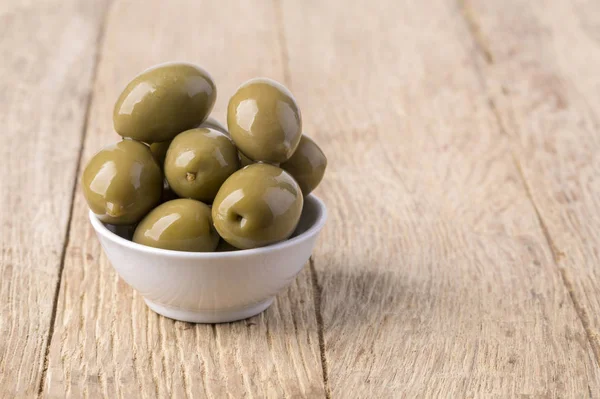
314, 229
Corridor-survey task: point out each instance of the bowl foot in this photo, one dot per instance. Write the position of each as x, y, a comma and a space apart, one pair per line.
216, 316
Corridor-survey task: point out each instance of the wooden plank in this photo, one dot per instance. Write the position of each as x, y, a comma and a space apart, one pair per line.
436, 279
107, 343
544, 81
48, 56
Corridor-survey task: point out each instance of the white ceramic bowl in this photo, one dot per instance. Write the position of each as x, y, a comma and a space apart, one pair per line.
213, 287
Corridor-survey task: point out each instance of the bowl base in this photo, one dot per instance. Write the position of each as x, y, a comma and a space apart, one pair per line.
216, 316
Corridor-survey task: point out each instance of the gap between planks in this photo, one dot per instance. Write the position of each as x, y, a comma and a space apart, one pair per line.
67, 236
317, 291
481, 46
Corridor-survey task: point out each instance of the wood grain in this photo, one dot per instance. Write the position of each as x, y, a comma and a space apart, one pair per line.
435, 276
545, 85
460, 258
106, 342
48, 55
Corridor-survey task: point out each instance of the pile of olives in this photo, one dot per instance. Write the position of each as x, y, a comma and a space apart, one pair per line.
180, 180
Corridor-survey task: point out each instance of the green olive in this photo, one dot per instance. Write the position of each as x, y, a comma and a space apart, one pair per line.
163, 101
307, 165
159, 150
264, 121
179, 225
199, 161
257, 206
122, 182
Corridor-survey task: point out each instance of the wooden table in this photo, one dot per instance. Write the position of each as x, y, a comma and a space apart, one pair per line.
462, 253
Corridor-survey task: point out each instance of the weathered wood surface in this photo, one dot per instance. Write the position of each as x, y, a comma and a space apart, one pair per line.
544, 80
460, 258
47, 55
436, 277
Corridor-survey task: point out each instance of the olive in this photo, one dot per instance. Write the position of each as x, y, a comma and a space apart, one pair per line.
307, 165
163, 101
264, 121
180, 225
199, 161
122, 182
257, 206
159, 150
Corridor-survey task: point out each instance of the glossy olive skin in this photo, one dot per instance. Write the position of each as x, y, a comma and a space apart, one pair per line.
213, 123
264, 121
178, 225
163, 101
307, 165
257, 206
122, 182
159, 151
199, 161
